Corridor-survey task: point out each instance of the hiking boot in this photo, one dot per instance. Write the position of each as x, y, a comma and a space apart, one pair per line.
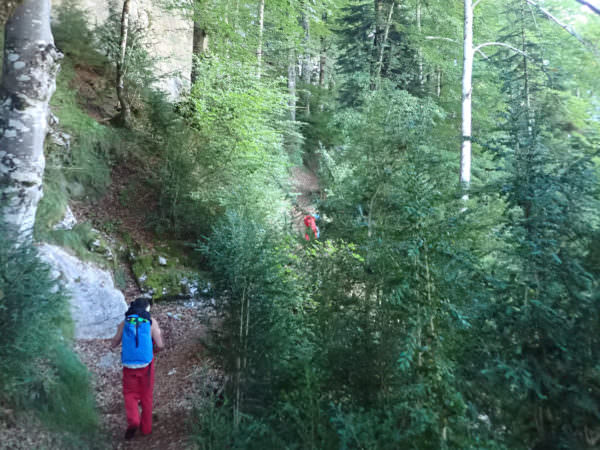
130, 433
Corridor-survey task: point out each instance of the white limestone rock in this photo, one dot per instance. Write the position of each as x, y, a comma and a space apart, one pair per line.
97, 307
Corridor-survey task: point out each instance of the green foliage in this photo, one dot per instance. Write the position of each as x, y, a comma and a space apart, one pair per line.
38, 368
260, 303
83, 171
72, 34
139, 65
233, 154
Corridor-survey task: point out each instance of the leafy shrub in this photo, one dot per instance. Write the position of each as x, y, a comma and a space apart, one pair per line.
38, 368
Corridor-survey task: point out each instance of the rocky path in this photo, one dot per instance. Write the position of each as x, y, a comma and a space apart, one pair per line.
183, 374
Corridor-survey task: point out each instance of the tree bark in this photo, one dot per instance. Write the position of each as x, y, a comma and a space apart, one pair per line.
377, 37
31, 63
199, 47
306, 58
6, 9
467, 90
261, 24
322, 63
386, 33
125, 115
292, 84
420, 49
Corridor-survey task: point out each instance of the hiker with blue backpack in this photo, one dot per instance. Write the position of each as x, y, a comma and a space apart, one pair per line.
139, 334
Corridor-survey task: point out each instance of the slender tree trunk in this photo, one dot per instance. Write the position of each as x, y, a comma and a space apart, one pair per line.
322, 63
31, 63
292, 83
420, 50
323, 57
530, 113
306, 58
377, 38
386, 33
199, 47
261, 24
125, 115
467, 90
439, 82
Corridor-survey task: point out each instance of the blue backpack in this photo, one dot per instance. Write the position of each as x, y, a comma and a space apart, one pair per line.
137, 341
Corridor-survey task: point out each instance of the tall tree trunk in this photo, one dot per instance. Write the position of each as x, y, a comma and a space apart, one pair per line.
261, 24
199, 47
386, 33
420, 50
306, 57
292, 83
322, 63
306, 63
31, 63
530, 112
467, 90
125, 115
377, 37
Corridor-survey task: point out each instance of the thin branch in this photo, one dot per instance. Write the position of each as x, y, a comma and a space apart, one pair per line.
476, 3
440, 38
499, 44
481, 53
454, 41
566, 27
592, 7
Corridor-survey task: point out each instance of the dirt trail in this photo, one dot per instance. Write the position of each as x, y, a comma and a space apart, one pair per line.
182, 374
306, 184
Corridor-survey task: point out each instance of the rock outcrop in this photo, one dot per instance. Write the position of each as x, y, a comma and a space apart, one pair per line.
97, 306
169, 36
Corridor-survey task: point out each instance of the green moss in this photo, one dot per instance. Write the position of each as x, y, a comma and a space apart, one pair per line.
167, 280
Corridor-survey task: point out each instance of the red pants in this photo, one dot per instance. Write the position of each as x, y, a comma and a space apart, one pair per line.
138, 385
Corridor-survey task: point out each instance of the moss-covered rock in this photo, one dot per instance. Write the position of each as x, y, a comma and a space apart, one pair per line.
160, 275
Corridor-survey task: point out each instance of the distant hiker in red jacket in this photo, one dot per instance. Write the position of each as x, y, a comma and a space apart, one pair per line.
137, 334
309, 221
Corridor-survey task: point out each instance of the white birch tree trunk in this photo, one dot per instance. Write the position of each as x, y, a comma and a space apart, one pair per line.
31, 63
386, 33
420, 49
261, 25
292, 84
125, 116
467, 90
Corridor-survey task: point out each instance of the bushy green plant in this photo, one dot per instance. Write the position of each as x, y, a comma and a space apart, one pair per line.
260, 302
139, 66
38, 369
227, 152
72, 33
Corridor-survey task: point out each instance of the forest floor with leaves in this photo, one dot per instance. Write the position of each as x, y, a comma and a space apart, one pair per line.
183, 377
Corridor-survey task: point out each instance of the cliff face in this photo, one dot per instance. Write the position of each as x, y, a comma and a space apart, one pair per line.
169, 37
